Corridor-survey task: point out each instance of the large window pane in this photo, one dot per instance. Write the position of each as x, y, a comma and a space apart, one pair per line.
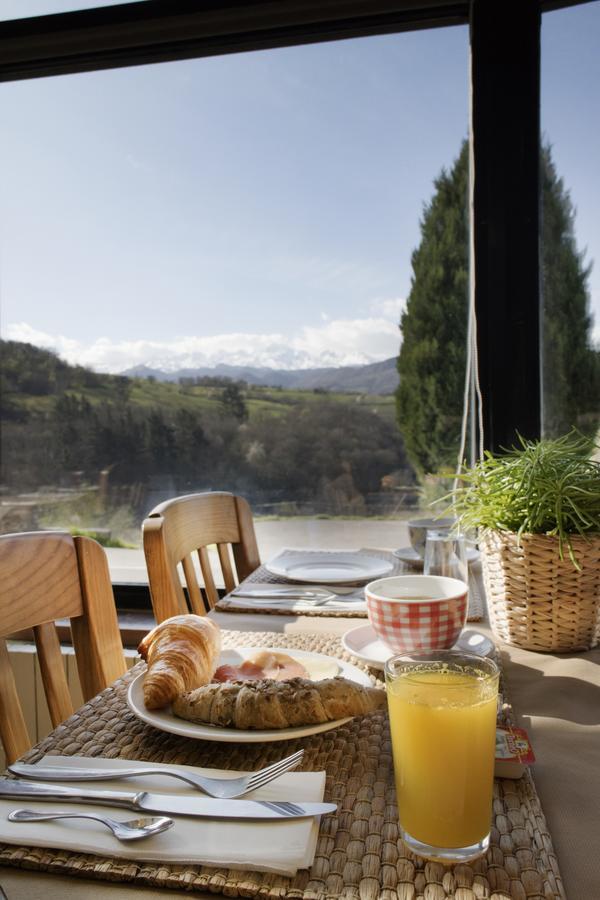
219, 254
570, 235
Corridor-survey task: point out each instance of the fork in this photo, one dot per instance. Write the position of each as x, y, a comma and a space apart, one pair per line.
221, 788
317, 597
322, 600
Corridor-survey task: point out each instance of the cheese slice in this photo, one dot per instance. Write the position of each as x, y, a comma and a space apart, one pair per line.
318, 669
273, 664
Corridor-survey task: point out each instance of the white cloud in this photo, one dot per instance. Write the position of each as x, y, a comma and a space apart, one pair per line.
21, 331
388, 307
348, 341
334, 343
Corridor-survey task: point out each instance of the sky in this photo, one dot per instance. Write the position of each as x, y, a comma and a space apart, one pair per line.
258, 208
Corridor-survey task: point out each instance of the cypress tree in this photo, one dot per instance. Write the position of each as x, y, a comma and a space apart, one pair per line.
432, 358
571, 390
433, 353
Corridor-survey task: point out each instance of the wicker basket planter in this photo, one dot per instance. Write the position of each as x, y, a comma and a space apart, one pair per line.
537, 600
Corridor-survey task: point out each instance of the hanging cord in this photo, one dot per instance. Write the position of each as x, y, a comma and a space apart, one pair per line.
466, 398
472, 386
479, 430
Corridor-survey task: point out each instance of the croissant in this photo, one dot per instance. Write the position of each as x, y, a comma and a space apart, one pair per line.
182, 654
277, 704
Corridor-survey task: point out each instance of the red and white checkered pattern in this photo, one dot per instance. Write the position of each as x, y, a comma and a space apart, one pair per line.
420, 625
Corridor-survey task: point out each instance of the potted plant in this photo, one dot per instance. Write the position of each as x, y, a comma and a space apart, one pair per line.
537, 508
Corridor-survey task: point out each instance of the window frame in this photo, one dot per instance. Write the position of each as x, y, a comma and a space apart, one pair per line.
505, 101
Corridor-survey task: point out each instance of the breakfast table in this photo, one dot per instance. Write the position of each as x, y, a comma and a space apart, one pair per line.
556, 698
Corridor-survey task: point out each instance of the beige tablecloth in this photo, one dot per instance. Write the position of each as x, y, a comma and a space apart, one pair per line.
558, 701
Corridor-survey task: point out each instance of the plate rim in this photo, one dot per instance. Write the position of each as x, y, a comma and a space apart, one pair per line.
384, 568
182, 728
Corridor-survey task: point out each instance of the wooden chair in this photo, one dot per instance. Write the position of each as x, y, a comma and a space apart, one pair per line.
46, 576
176, 529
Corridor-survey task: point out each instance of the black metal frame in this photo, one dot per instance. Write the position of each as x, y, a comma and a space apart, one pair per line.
161, 30
505, 119
505, 42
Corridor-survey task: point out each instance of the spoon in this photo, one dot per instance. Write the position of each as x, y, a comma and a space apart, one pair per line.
132, 830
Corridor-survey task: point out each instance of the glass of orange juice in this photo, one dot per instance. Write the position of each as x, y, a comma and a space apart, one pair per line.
442, 708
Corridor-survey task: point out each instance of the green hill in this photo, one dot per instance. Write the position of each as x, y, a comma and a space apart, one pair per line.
65, 425
32, 379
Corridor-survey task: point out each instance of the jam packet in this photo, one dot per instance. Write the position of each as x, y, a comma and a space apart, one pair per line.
513, 752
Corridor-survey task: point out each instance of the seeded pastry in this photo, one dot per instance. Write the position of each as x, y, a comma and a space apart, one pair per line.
277, 704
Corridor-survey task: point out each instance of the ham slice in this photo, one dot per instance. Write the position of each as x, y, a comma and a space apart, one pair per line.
264, 664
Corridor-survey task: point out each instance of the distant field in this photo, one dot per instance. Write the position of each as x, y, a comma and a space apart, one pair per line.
33, 379
169, 397
118, 445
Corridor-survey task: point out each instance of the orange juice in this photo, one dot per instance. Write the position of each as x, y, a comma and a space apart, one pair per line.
443, 726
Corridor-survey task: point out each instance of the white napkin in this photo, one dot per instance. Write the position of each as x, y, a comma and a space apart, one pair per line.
293, 606
281, 846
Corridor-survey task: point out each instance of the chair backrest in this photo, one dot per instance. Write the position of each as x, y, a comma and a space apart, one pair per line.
177, 529
45, 576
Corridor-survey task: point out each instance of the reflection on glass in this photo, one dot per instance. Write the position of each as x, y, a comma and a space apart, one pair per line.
198, 295
570, 193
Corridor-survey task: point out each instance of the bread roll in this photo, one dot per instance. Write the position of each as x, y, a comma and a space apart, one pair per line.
182, 654
277, 704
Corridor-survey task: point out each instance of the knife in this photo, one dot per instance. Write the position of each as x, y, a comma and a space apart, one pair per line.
175, 804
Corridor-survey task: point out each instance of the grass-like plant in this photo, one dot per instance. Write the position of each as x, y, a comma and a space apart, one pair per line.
550, 486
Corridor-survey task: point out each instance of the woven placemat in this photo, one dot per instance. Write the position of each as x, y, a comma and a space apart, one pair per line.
359, 853
263, 576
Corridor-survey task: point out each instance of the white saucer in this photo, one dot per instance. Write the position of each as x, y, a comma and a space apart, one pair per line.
408, 555
363, 643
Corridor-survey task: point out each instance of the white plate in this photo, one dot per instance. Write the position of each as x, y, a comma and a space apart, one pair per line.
408, 555
363, 643
164, 720
328, 566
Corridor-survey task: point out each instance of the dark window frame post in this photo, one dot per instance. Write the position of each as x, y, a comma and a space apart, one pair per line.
505, 122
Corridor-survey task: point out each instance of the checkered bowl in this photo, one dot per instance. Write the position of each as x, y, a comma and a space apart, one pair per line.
417, 612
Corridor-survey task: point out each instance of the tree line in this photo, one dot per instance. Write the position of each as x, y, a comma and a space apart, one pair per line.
325, 451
